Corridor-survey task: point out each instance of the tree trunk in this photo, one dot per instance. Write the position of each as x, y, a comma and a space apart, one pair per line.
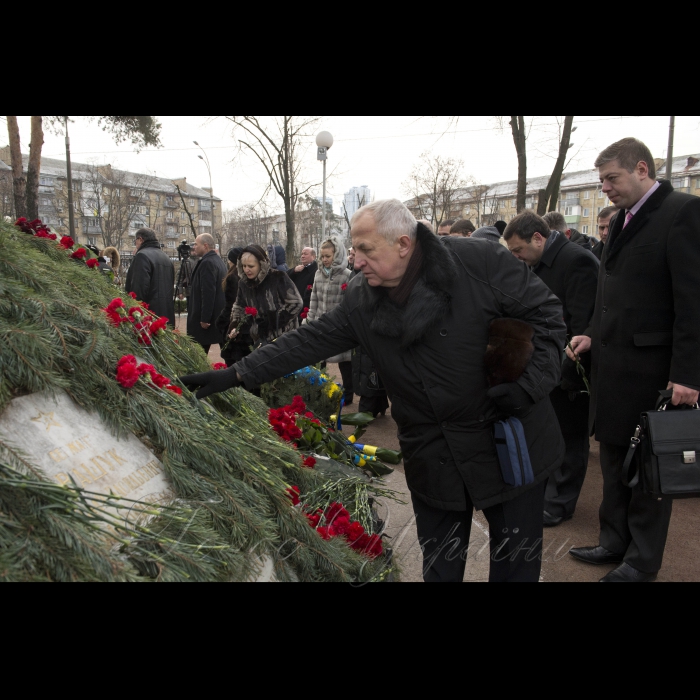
517, 125
19, 182
34, 168
552, 193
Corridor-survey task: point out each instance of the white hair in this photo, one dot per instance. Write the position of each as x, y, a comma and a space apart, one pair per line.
391, 217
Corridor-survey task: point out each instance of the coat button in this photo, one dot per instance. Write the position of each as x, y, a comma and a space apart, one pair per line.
443, 332
603, 345
605, 309
443, 462
482, 418
445, 426
607, 274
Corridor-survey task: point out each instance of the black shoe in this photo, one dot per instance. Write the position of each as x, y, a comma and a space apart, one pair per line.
596, 555
552, 521
628, 574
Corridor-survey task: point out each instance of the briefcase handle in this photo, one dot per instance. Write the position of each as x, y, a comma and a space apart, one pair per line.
664, 402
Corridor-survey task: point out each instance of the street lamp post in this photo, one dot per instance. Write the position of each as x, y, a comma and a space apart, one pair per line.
211, 187
324, 141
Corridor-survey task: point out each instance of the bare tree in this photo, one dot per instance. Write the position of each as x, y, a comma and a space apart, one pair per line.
517, 126
476, 200
434, 185
549, 198
142, 131
248, 225
113, 199
278, 144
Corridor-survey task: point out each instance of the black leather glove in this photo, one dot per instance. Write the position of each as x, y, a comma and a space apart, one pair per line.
512, 400
210, 383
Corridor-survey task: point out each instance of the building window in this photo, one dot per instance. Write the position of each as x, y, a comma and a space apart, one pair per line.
193, 203
46, 181
585, 230
183, 216
92, 240
586, 213
679, 182
586, 195
77, 186
170, 244
601, 195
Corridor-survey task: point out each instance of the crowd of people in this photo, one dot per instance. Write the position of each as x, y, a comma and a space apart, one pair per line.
528, 330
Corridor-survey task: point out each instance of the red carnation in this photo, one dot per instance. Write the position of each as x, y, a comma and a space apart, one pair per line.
174, 389
340, 527
304, 314
126, 360
251, 311
159, 325
127, 375
21, 220
336, 510
115, 304
66, 242
132, 295
92, 263
355, 531
325, 534
293, 493
310, 288
79, 254
343, 287
220, 365
314, 520
308, 462
159, 380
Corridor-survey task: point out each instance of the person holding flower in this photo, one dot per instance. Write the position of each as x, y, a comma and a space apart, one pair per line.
329, 287
270, 293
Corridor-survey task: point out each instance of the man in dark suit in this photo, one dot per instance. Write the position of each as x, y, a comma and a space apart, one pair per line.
604, 221
303, 275
571, 272
644, 338
207, 297
151, 276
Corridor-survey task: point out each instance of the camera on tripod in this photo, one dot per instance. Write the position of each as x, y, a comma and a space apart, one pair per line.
184, 251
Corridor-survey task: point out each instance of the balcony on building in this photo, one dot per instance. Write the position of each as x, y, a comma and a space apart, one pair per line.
203, 222
204, 205
170, 204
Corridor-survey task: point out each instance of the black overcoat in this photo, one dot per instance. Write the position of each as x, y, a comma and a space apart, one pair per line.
151, 277
571, 272
207, 299
303, 280
646, 326
430, 355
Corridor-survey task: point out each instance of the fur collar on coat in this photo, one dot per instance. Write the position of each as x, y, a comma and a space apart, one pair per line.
265, 268
430, 300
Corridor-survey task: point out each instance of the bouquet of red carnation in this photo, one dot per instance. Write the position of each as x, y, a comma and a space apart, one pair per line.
305, 313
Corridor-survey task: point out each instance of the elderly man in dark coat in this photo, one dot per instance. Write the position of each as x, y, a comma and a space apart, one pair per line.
571, 272
303, 275
151, 276
207, 298
423, 310
644, 338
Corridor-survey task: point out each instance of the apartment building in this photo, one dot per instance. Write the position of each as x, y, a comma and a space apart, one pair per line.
110, 205
581, 198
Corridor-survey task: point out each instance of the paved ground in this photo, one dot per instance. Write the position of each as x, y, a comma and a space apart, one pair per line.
681, 563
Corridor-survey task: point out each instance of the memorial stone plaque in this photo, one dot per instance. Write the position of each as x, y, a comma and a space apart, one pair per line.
68, 442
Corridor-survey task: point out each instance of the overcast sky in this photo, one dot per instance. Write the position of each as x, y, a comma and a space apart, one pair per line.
375, 151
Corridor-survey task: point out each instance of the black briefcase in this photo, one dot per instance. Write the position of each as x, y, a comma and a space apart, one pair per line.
664, 454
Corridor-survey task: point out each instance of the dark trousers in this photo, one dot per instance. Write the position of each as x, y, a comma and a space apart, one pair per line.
206, 348
515, 545
631, 522
565, 484
346, 373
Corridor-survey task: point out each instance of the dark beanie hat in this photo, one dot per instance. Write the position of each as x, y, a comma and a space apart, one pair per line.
489, 233
234, 254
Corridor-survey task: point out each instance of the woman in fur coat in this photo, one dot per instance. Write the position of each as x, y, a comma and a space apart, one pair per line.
330, 284
270, 292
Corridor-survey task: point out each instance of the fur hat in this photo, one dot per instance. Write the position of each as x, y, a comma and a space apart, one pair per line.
509, 351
